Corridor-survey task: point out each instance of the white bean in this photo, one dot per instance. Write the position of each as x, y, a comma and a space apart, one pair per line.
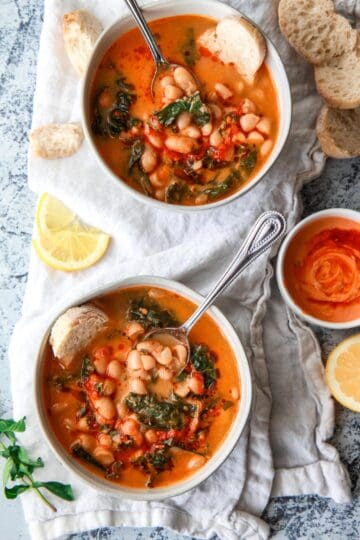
196, 166
103, 455
216, 138
150, 436
249, 121
207, 129
240, 86
164, 357
100, 364
248, 106
130, 427
223, 91
133, 360
160, 194
216, 111
235, 394
239, 138
140, 374
149, 346
104, 439
192, 131
138, 386
155, 140
133, 330
156, 180
183, 120
148, 361
266, 147
180, 353
109, 387
255, 137
165, 81
105, 407
148, 159
264, 126
201, 199
114, 369
181, 144
121, 409
182, 389
83, 425
88, 442
173, 92
196, 384
164, 373
196, 461
185, 80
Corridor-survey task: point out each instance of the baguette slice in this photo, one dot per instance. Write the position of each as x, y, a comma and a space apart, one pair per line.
235, 40
81, 30
56, 140
339, 132
338, 82
74, 329
314, 29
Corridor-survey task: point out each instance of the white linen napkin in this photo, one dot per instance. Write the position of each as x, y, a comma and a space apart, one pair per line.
283, 450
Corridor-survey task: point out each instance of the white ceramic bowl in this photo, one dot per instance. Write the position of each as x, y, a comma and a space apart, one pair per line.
332, 212
216, 10
103, 485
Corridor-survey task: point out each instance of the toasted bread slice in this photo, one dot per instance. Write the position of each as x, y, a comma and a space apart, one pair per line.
81, 30
339, 132
56, 140
235, 40
338, 82
315, 30
74, 329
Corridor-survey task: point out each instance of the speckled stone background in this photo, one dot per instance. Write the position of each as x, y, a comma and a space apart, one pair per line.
292, 517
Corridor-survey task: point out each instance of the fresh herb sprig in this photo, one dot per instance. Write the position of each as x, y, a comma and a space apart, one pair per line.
19, 466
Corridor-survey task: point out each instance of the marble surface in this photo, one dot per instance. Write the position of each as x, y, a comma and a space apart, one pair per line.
291, 517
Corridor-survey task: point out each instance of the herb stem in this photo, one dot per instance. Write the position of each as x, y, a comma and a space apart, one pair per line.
29, 480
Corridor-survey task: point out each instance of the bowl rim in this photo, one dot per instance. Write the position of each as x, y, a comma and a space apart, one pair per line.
222, 453
347, 213
286, 115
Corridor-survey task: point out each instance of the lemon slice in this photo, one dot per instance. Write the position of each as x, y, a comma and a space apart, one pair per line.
63, 241
343, 373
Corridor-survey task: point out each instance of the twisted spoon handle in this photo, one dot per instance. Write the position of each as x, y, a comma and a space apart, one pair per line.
268, 228
146, 32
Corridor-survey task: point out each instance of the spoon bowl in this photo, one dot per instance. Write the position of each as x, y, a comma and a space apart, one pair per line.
268, 228
161, 63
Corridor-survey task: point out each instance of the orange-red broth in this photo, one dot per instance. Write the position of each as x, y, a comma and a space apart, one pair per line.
130, 58
222, 399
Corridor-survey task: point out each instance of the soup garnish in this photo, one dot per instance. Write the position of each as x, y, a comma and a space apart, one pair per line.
191, 145
322, 269
132, 409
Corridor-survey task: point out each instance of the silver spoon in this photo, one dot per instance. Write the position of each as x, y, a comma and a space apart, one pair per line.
161, 63
267, 229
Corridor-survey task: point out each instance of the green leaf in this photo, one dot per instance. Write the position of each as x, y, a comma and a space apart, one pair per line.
227, 404
7, 470
136, 151
81, 453
153, 412
192, 104
87, 368
150, 314
14, 491
204, 362
175, 192
249, 161
64, 491
10, 425
188, 48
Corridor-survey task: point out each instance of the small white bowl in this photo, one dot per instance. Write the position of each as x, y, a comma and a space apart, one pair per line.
215, 10
110, 488
332, 212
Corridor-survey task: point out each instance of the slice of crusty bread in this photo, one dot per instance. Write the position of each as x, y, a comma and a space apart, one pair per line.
56, 140
338, 82
81, 30
74, 329
236, 40
339, 132
315, 30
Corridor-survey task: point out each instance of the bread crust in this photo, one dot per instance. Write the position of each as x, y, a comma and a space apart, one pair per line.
55, 141
338, 82
74, 329
339, 132
80, 31
314, 29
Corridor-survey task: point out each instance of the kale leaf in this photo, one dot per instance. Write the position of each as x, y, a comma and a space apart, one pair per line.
136, 151
192, 104
149, 313
204, 362
159, 414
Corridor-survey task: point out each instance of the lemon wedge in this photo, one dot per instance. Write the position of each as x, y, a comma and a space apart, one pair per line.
343, 372
63, 241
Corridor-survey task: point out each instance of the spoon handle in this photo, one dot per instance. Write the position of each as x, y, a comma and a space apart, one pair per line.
268, 228
146, 32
